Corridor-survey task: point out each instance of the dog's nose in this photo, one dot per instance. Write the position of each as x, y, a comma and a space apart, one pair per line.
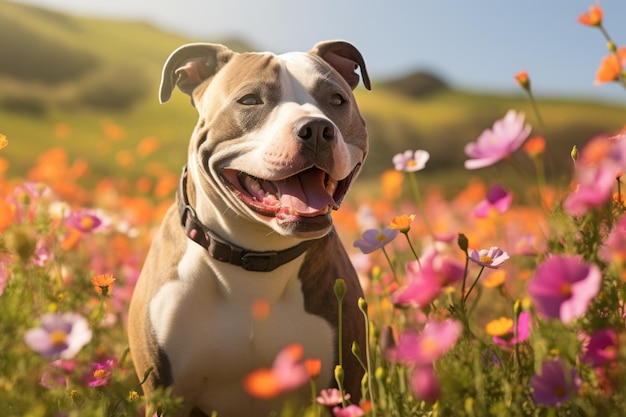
315, 129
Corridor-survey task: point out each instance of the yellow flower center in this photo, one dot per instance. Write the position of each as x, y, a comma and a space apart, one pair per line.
381, 237
87, 223
486, 259
429, 345
411, 163
58, 338
566, 289
99, 374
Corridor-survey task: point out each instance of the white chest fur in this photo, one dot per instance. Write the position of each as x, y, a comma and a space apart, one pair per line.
205, 323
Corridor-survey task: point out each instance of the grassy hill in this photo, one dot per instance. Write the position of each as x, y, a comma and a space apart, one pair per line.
71, 81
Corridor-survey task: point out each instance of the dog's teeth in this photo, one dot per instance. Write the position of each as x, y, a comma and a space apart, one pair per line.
331, 186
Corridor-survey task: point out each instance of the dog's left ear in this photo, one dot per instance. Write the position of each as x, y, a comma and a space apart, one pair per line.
344, 58
191, 64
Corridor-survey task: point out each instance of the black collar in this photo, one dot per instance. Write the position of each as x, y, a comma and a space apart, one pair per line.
224, 251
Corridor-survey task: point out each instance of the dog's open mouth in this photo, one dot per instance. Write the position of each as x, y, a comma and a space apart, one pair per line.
309, 193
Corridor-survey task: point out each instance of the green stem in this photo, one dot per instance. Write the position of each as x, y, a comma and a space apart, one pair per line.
417, 258
393, 269
418, 200
466, 296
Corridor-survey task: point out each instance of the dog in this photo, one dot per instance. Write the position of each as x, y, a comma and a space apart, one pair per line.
279, 140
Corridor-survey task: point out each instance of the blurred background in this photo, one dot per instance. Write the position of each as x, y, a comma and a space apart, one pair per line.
83, 76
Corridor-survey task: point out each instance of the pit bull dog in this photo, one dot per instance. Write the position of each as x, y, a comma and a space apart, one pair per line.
278, 141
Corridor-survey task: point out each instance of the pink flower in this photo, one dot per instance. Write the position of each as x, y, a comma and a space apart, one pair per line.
499, 142
602, 347
350, 411
100, 373
498, 199
374, 239
490, 258
423, 349
614, 248
331, 397
425, 282
600, 162
288, 373
563, 287
554, 385
87, 221
56, 377
424, 383
411, 161
60, 335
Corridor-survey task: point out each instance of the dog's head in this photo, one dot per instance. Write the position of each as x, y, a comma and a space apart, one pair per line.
279, 138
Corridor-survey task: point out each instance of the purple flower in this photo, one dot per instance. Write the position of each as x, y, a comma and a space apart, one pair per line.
563, 287
374, 239
490, 258
554, 385
602, 347
498, 199
57, 376
60, 335
497, 143
423, 349
410, 161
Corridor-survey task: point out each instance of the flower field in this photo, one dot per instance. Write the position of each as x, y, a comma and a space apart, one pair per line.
485, 303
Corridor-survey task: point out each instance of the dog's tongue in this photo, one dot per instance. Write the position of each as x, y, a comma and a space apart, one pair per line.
305, 193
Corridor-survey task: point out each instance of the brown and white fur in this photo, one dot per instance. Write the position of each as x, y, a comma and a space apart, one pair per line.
287, 125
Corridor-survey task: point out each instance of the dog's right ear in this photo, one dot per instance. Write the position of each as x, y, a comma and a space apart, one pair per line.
191, 64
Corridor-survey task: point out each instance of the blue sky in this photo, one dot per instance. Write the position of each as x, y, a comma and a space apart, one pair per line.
473, 44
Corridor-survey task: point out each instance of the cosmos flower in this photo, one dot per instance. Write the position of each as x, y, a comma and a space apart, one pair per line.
100, 373
602, 347
513, 336
563, 287
331, 397
422, 349
60, 335
410, 161
103, 283
402, 223
87, 221
490, 258
499, 142
424, 383
426, 281
591, 18
351, 410
554, 385
374, 239
287, 373
498, 199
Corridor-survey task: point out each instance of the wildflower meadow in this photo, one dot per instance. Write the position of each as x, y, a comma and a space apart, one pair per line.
490, 302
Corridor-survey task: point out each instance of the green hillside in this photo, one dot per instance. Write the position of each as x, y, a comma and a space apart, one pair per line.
79, 75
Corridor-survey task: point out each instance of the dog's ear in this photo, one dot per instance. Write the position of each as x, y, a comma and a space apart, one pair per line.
345, 58
190, 65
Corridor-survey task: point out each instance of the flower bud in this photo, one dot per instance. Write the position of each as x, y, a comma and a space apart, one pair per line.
340, 289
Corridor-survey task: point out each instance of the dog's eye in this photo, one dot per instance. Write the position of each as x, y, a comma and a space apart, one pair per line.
250, 100
337, 100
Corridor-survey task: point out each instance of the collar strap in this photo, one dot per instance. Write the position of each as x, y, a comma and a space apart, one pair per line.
224, 251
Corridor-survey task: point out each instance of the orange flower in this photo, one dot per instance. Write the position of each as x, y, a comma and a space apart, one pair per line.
611, 67
592, 18
402, 223
499, 327
103, 283
313, 367
523, 80
535, 146
392, 184
6, 214
495, 279
3, 141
